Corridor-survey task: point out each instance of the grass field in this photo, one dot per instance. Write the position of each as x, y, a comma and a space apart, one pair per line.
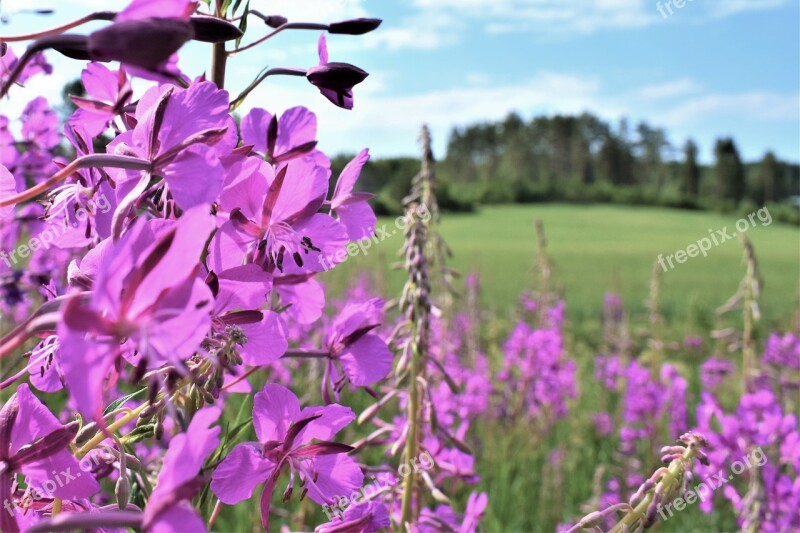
602, 248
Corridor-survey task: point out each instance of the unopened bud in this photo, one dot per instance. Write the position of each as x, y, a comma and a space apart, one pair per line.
336, 76
275, 21
146, 43
122, 491
358, 26
213, 30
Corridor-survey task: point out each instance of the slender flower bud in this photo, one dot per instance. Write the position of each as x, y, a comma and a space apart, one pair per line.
357, 26
47, 445
213, 29
145, 43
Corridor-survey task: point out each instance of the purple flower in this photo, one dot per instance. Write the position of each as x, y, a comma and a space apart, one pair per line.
260, 334
293, 135
84, 205
363, 355
146, 293
274, 220
335, 80
8, 187
183, 132
34, 443
364, 517
37, 65
285, 435
169, 507
40, 123
352, 208
714, 371
108, 92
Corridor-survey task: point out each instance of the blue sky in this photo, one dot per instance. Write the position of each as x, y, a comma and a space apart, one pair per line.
711, 68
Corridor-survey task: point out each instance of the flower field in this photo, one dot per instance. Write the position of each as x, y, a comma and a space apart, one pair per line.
203, 327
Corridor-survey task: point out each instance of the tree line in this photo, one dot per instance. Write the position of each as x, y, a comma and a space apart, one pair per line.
582, 158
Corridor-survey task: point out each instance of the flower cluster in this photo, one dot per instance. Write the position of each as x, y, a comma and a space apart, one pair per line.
156, 255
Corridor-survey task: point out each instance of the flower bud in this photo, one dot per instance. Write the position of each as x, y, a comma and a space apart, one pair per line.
336, 76
275, 21
358, 26
213, 29
73, 46
122, 491
145, 43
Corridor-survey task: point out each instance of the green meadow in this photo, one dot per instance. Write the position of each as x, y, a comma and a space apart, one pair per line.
598, 249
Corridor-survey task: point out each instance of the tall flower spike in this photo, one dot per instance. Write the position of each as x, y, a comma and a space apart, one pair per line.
416, 305
664, 486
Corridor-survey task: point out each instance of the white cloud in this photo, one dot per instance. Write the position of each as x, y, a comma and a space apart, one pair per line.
668, 90
759, 106
732, 7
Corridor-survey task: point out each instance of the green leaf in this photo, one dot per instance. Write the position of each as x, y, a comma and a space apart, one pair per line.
243, 22
116, 404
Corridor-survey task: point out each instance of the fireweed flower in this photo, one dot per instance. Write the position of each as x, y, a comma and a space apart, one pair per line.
37, 65
8, 151
34, 443
363, 517
259, 336
444, 518
362, 355
169, 507
760, 430
83, 206
40, 123
285, 435
108, 92
352, 208
274, 220
147, 296
8, 187
181, 131
335, 80
714, 371
292, 135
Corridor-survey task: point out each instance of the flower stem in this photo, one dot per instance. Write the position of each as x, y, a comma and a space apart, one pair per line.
87, 161
101, 436
99, 15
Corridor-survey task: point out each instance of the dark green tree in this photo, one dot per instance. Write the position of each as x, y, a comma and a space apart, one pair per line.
690, 172
729, 171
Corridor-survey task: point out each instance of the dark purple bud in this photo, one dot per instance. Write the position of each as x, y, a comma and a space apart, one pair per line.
249, 316
275, 21
354, 26
213, 30
336, 76
75, 48
145, 43
47, 445
3, 49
